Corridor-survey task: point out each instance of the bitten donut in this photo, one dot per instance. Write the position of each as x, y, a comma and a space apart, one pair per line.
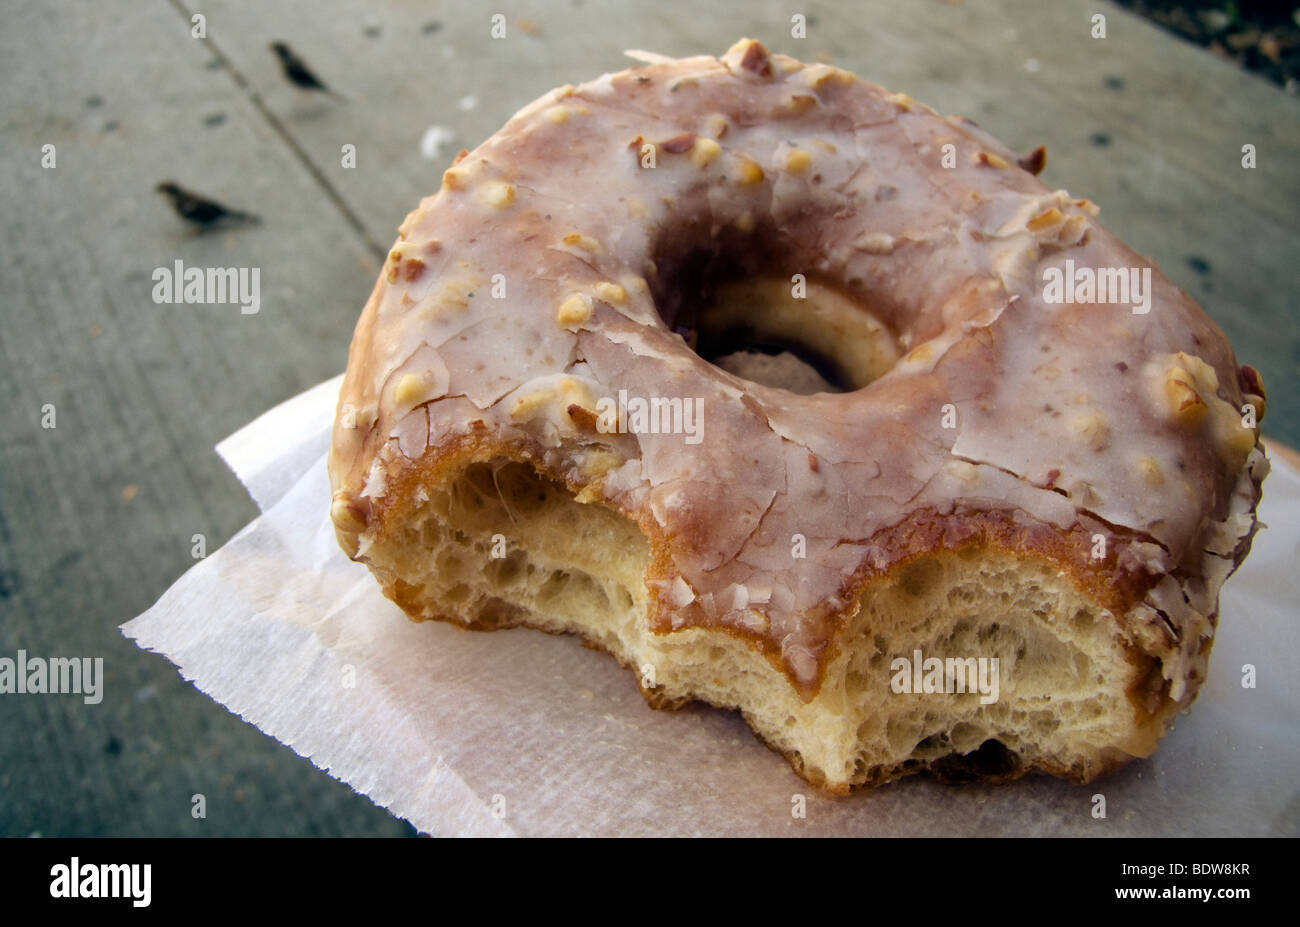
803, 400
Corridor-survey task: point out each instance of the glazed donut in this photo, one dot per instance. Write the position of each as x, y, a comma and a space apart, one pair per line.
959, 492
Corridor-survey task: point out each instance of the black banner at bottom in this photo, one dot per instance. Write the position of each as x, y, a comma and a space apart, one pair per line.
129, 877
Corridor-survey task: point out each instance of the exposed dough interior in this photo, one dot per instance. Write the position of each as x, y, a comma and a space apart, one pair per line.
580, 568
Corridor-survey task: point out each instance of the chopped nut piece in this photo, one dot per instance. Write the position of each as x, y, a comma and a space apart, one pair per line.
993, 160
583, 418
786, 65
611, 292
718, 125
1035, 161
1073, 231
817, 76
409, 389
1240, 439
705, 151
679, 144
394, 261
1203, 375
1093, 429
798, 161
497, 193
796, 104
875, 243
412, 269
352, 418
1048, 218
574, 311
345, 515
1252, 384
597, 463
558, 115
528, 404
1249, 380
1150, 471
578, 240
455, 179
748, 173
756, 60
1184, 402
575, 391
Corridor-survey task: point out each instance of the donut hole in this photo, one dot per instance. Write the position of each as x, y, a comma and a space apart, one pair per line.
736, 306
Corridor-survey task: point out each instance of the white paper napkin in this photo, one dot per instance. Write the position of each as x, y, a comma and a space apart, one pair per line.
519, 732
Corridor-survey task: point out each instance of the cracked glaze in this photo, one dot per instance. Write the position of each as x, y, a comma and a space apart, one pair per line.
1060, 413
